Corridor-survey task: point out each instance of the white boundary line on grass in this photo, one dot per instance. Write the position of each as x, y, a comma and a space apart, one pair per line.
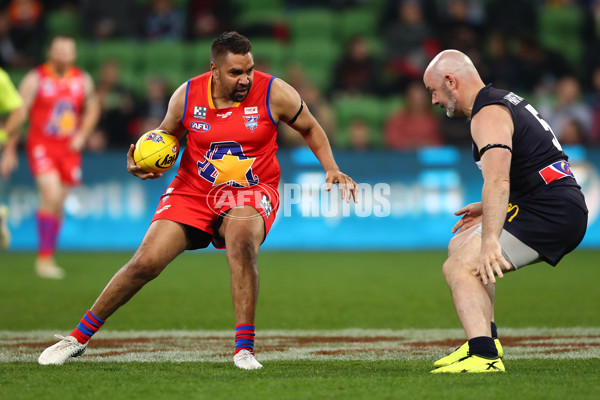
344, 344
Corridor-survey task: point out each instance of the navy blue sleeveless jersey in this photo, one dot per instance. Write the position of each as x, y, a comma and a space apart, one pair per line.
534, 145
547, 209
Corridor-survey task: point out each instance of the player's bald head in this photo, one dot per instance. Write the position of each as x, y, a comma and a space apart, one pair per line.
452, 62
453, 82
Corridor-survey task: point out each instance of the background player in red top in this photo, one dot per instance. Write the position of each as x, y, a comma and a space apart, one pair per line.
62, 108
225, 190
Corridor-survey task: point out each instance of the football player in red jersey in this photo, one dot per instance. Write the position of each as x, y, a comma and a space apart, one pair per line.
62, 109
225, 191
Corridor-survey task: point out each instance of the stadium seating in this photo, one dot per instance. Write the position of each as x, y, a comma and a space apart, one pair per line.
125, 51
560, 29
272, 52
258, 12
356, 22
64, 21
371, 109
312, 23
197, 56
317, 57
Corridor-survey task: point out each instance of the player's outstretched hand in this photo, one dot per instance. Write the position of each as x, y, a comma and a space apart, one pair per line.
136, 170
347, 186
472, 215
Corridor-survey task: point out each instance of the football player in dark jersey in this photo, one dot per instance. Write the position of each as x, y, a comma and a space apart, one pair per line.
531, 207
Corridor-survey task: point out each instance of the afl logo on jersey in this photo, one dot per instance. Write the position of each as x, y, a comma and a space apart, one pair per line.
199, 126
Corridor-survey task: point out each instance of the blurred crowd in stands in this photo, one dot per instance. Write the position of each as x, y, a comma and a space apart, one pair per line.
358, 64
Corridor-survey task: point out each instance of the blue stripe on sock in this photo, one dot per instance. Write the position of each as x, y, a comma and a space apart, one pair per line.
244, 343
99, 321
93, 323
245, 328
84, 329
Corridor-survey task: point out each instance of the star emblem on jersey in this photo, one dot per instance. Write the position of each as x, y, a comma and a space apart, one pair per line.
63, 120
226, 163
231, 169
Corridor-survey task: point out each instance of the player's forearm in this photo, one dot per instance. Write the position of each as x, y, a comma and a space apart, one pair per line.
494, 200
319, 144
90, 118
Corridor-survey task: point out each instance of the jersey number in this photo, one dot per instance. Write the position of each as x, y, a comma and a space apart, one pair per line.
534, 112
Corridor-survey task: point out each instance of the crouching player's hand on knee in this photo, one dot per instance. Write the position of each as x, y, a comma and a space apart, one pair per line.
491, 262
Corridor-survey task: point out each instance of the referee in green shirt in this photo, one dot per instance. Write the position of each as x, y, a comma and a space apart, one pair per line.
10, 102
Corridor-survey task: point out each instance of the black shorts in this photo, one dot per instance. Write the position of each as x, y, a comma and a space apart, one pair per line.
551, 221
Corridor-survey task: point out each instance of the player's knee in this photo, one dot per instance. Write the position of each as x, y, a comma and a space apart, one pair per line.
244, 238
50, 202
454, 266
447, 268
243, 244
144, 268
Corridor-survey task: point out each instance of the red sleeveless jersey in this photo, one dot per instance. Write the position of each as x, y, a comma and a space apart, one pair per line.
234, 146
56, 110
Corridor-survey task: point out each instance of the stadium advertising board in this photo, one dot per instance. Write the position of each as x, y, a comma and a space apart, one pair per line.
406, 201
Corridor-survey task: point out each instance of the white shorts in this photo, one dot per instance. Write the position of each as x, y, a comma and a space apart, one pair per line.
517, 253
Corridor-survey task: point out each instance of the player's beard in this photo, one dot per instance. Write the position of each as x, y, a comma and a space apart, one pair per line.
237, 96
451, 105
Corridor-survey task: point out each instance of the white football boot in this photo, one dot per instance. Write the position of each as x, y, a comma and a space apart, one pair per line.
60, 352
246, 360
46, 268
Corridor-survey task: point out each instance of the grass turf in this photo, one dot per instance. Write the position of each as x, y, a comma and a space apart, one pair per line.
527, 379
298, 291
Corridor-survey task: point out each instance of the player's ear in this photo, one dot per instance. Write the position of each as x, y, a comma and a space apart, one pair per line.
450, 81
214, 69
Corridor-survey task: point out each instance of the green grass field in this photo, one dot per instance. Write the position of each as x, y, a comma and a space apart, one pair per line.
332, 325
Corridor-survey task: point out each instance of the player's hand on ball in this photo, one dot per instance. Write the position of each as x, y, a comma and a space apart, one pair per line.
156, 151
136, 170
